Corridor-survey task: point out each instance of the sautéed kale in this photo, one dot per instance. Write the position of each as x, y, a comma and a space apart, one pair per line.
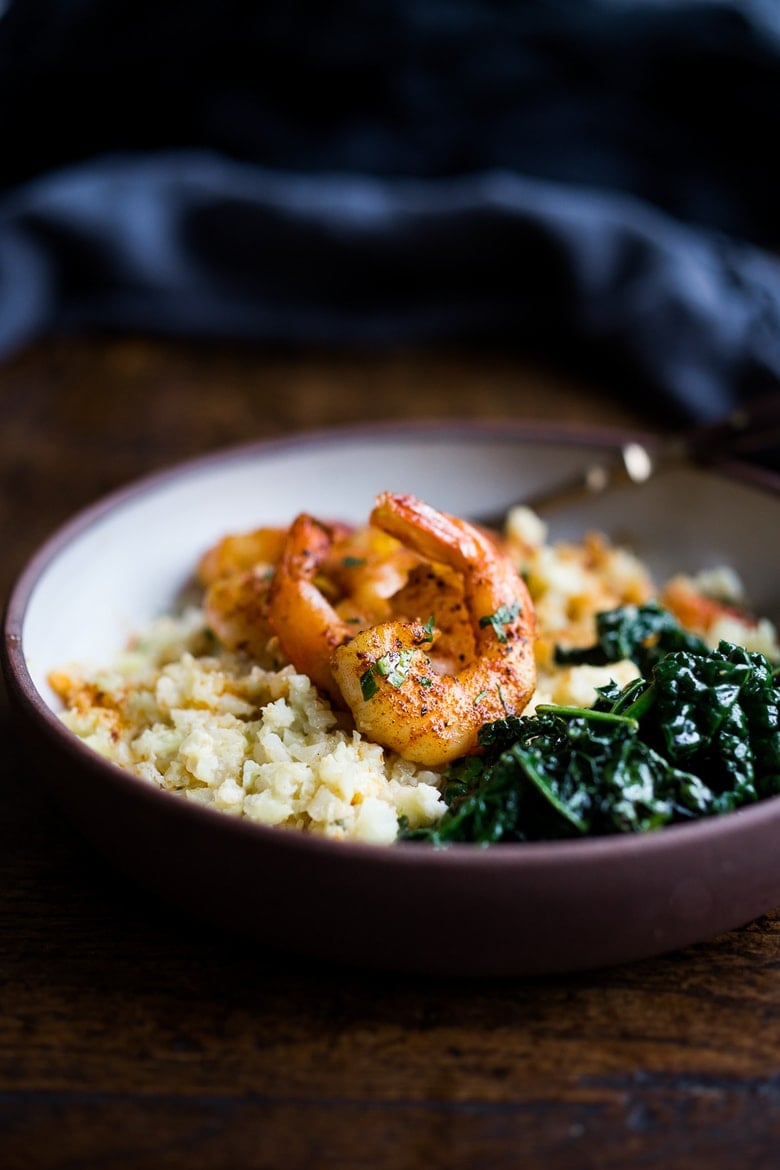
695, 736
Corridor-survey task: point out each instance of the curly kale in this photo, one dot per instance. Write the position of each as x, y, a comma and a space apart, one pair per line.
642, 633
698, 735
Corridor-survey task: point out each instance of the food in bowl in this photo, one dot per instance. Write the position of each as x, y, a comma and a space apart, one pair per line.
361, 682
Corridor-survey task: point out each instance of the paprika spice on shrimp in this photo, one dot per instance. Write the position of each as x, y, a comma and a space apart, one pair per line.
387, 674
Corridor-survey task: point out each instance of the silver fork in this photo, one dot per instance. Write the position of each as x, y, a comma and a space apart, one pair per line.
744, 434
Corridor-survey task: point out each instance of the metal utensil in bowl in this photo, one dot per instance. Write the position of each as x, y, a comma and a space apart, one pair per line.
748, 434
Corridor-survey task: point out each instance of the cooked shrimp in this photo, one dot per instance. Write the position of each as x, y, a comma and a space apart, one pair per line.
239, 552
695, 610
236, 609
236, 572
438, 591
306, 624
364, 569
331, 582
385, 673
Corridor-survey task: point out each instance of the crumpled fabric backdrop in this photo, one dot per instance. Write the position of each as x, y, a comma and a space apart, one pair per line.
591, 181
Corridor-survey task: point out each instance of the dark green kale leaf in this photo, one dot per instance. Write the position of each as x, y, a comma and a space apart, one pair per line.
719, 714
641, 633
759, 698
698, 735
570, 772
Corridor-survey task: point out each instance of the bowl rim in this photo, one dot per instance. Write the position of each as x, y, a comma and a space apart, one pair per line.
523, 855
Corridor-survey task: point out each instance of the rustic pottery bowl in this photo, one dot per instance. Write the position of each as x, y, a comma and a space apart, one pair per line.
466, 910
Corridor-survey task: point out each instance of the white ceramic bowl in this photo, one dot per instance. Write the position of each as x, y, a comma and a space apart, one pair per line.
465, 910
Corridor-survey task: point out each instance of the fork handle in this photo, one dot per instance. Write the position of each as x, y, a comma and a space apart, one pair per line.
751, 432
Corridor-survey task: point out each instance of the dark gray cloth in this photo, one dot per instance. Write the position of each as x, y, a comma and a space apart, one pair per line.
592, 182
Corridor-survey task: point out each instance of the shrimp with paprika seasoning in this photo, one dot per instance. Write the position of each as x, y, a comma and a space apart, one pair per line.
387, 673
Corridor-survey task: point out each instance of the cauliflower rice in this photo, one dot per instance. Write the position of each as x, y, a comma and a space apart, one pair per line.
255, 738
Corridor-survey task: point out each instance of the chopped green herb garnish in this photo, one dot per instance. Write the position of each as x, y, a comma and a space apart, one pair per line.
353, 562
428, 629
399, 667
503, 616
393, 666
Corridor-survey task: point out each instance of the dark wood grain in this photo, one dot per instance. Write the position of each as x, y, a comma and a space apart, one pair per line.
131, 1036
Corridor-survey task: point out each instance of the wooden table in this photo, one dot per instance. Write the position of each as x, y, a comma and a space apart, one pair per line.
130, 1037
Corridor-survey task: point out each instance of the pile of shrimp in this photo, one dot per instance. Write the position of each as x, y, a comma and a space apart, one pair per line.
417, 623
